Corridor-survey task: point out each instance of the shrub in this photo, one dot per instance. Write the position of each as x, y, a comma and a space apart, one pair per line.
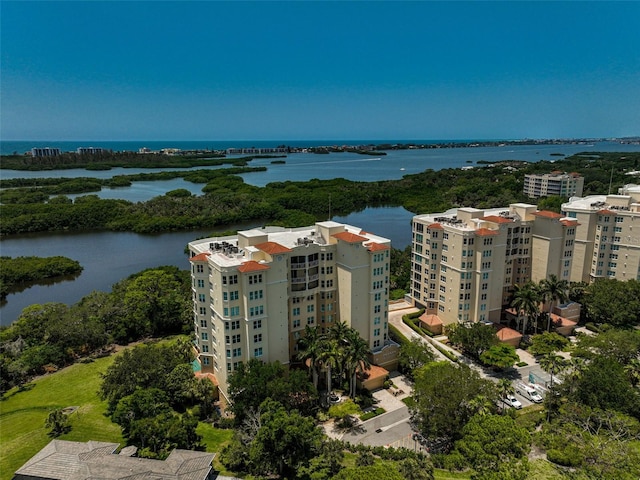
374, 413
568, 457
348, 407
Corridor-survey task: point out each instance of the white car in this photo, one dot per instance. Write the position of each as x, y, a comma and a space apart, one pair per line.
512, 401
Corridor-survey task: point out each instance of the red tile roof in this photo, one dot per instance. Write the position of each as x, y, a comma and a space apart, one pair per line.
430, 319
210, 376
569, 223
485, 231
547, 214
605, 211
506, 333
272, 248
561, 321
497, 219
376, 247
350, 237
201, 257
435, 225
252, 266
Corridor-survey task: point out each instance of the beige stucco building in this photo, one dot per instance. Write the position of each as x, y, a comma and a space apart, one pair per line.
467, 260
538, 185
254, 292
608, 235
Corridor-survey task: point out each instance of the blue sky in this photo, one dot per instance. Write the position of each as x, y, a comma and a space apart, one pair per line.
318, 70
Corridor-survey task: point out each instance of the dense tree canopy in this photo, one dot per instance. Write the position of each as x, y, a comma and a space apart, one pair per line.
446, 397
614, 302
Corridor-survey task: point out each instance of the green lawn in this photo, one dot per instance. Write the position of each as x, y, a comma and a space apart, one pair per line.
23, 413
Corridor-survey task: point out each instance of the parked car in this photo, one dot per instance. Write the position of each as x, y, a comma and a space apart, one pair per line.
512, 401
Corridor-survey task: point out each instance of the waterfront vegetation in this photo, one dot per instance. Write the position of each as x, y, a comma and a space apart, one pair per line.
28, 205
22, 272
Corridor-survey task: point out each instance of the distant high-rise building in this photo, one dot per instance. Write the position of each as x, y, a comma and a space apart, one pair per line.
607, 246
538, 185
89, 150
255, 292
45, 152
466, 261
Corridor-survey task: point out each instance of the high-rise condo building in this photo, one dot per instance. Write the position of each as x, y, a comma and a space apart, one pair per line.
608, 235
538, 185
254, 293
466, 261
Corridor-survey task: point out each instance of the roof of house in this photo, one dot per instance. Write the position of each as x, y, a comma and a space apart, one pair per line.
350, 237
65, 460
547, 214
497, 219
561, 321
252, 266
435, 225
505, 333
376, 247
430, 319
201, 257
272, 248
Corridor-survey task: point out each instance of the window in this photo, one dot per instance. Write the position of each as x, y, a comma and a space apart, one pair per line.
253, 279
255, 311
203, 310
310, 320
310, 308
257, 338
237, 352
256, 295
230, 280
257, 324
235, 311
202, 297
204, 336
376, 332
376, 309
257, 352
376, 343
200, 283
203, 323
296, 323
296, 311
200, 268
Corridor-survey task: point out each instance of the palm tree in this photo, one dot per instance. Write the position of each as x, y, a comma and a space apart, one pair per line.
310, 348
553, 290
329, 358
356, 355
553, 363
525, 300
339, 333
505, 387
480, 405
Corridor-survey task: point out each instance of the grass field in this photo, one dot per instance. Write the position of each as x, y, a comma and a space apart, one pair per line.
23, 413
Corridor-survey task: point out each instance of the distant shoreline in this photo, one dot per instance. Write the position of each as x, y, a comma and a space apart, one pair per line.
23, 147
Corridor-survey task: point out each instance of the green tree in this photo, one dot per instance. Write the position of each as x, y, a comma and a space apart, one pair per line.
443, 394
614, 302
621, 345
505, 387
500, 356
413, 355
58, 423
525, 300
418, 468
388, 471
604, 384
158, 436
490, 440
553, 364
310, 349
547, 342
285, 441
143, 403
474, 338
356, 358
553, 290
